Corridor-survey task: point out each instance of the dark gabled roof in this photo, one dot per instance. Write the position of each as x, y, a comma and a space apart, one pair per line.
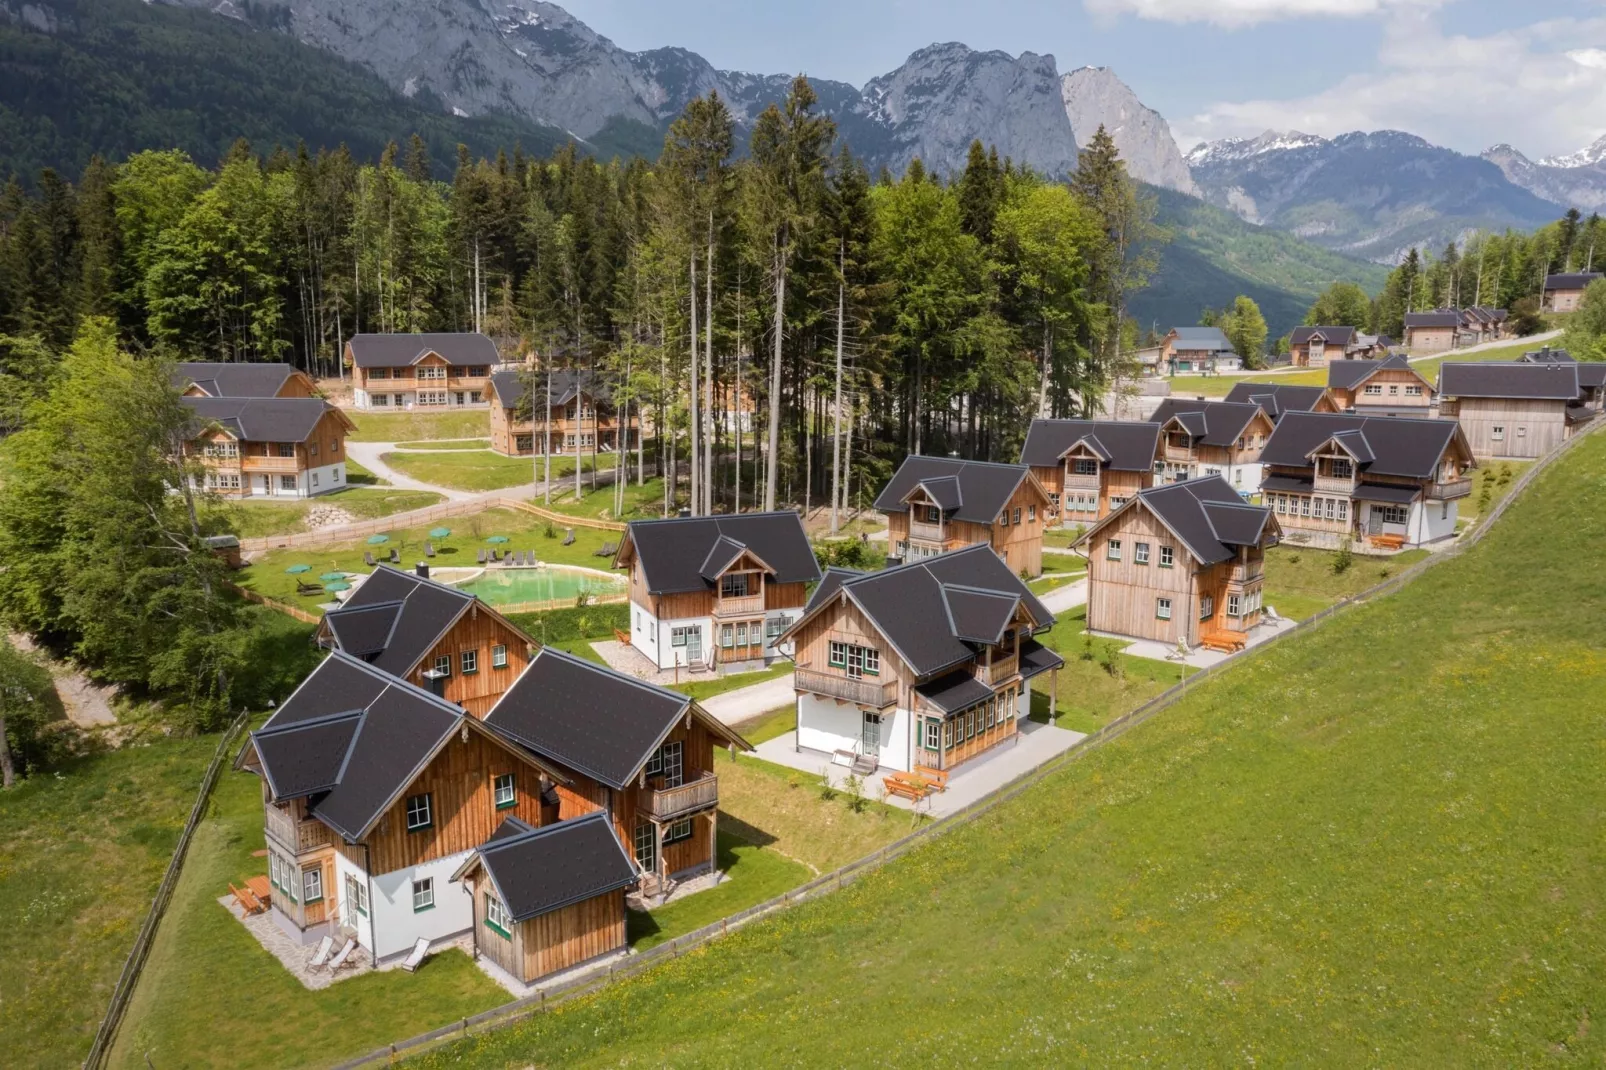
1036, 658
565, 385
401, 350
979, 616
955, 691
1547, 355
1125, 446
539, 870
974, 491
261, 419
351, 739
1410, 448
1205, 514
1349, 374
1386, 492
1442, 318
1591, 375
1276, 398
418, 613
232, 380
1570, 280
1208, 338
1213, 423
589, 718
834, 578
910, 605
1341, 336
674, 552
1577, 413
1509, 379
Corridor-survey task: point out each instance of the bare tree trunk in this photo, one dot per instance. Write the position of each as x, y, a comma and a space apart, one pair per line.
8, 771
694, 424
1042, 382
736, 389
772, 448
836, 429
546, 429
708, 370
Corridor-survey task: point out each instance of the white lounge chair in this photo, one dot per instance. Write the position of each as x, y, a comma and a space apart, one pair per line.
345, 953
326, 945
420, 949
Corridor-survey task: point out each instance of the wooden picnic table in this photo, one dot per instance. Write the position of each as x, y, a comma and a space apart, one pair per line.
259, 887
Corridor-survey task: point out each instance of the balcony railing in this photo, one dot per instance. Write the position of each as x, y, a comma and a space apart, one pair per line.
1455, 488
853, 689
1000, 670
745, 606
928, 532
1177, 453
300, 835
663, 803
1240, 574
1073, 481
257, 463
1335, 484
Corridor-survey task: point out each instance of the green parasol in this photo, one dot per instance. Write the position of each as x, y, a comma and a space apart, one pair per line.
332, 576
375, 540
296, 570
439, 533
497, 538
337, 585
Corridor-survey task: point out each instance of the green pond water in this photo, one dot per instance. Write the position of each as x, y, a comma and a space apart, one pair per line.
507, 586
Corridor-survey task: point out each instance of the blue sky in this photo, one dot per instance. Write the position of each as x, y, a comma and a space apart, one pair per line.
1463, 73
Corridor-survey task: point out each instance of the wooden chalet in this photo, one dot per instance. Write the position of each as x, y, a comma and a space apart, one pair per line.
268, 447
549, 898
1198, 351
715, 592
1089, 467
421, 371
1375, 482
374, 791
642, 753
937, 504
1432, 332
1484, 324
1564, 291
1180, 563
1316, 347
924, 665
1205, 438
439, 638
210, 379
1591, 375
1387, 387
1517, 409
580, 419
1275, 399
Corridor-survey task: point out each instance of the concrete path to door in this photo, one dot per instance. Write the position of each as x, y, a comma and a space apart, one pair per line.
1067, 597
748, 702
1035, 744
1199, 657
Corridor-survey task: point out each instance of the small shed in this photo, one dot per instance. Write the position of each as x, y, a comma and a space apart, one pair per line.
225, 546
547, 899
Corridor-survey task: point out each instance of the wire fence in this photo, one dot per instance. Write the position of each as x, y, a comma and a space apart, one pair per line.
518, 1010
101, 1046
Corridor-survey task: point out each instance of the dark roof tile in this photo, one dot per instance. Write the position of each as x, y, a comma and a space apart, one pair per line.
1214, 423
1277, 398
539, 870
1126, 446
975, 491
1509, 379
1400, 447
400, 350
673, 553
426, 611
233, 379
261, 419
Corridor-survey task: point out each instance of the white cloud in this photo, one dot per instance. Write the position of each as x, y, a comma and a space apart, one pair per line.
1540, 87
1236, 13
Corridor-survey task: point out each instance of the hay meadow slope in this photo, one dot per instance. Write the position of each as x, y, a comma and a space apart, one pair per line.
1377, 843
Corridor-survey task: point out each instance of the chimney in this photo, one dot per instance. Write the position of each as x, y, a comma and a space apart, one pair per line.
421, 570
685, 511
436, 682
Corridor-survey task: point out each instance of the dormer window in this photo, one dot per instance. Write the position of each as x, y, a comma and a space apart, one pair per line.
733, 585
1085, 467
931, 514
1342, 468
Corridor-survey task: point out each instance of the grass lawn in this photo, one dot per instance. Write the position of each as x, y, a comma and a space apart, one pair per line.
1491, 482
702, 689
82, 850
1055, 576
1218, 385
447, 444
211, 996
753, 873
767, 726
1377, 843
642, 500
1098, 682
356, 473
267, 574
1062, 538
478, 470
418, 426
253, 518
1300, 581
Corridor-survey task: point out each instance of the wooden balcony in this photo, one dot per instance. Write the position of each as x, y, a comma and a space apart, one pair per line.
1334, 485
1082, 482
300, 835
750, 606
925, 532
1455, 488
1000, 670
835, 685
1241, 574
1181, 454
665, 803
257, 463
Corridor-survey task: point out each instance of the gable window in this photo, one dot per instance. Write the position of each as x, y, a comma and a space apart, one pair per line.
1342, 468
1162, 608
432, 371
733, 585
470, 661
379, 373
502, 791
1031, 514
443, 665
1085, 467
312, 449
1140, 554
499, 656
855, 660
420, 812
1413, 391
1497, 432
285, 449
1053, 501
423, 894
496, 918
1375, 389
334, 445
1112, 550
1016, 519
1003, 519
1168, 556
1116, 503
1394, 390
931, 514
1522, 431
1207, 606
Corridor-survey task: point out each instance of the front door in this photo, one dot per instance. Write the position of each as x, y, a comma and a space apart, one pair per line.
870, 734
1374, 520
694, 646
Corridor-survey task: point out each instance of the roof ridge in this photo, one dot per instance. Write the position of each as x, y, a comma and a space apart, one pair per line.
538, 831
307, 722
591, 666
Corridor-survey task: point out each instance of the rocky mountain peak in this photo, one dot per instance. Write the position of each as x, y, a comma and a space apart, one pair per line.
1095, 96
1232, 149
1585, 157
1576, 180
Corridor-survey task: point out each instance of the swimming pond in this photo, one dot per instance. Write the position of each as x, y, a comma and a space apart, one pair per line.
554, 583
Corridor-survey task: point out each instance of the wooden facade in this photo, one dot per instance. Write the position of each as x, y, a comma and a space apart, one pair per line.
548, 943
1395, 389
1430, 339
1182, 456
431, 382
1509, 428
1083, 489
478, 632
581, 426
1016, 534
237, 468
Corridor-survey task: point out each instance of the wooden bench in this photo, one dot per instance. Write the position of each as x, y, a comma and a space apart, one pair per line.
249, 903
1224, 642
623, 638
1387, 542
909, 786
936, 777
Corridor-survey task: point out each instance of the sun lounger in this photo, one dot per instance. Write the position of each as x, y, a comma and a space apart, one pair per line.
608, 550
429, 549
568, 539
308, 588
420, 949
345, 953
479, 558
368, 559
395, 556
325, 946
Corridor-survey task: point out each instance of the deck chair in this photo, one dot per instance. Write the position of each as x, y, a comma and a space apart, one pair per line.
345, 953
308, 588
420, 949
608, 550
568, 539
325, 946
368, 559
429, 549
479, 559
395, 556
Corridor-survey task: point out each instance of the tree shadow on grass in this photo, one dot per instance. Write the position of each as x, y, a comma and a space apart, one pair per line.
741, 830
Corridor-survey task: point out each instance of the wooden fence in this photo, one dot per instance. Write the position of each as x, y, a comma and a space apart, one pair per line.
101, 1046
511, 1013
416, 518
273, 603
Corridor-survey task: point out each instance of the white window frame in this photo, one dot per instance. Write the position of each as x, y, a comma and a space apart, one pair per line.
443, 665
1168, 556
312, 882
469, 660
1140, 553
504, 791
499, 656
425, 807
496, 916
1112, 550
423, 894
1162, 609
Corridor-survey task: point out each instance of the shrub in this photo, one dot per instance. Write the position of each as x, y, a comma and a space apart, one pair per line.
1343, 559
587, 622
549, 531
34, 721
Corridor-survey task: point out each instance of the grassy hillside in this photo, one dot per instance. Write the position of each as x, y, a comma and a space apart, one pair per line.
1214, 256
1376, 844
116, 76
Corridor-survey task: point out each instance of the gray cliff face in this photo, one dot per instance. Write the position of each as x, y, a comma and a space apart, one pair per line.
1574, 181
534, 59
1094, 97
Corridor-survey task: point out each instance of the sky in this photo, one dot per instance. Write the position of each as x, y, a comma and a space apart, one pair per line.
1466, 74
